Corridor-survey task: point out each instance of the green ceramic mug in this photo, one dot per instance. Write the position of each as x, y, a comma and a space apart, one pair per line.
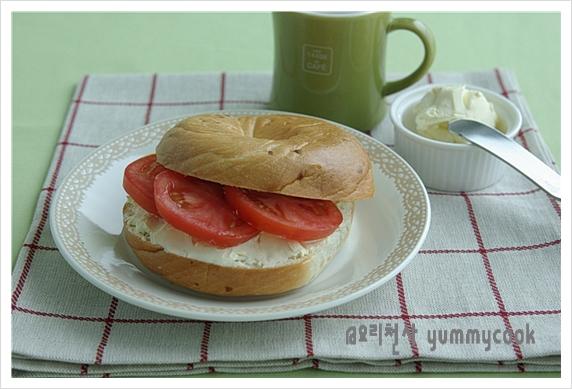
332, 65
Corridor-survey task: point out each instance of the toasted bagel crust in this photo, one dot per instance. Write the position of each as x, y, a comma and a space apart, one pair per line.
287, 154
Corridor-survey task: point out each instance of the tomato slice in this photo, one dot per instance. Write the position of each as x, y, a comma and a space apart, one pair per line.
290, 217
138, 181
199, 209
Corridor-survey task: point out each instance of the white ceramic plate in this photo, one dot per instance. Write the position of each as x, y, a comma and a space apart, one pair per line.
86, 222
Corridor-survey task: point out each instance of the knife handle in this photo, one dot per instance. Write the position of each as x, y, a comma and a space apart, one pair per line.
504, 148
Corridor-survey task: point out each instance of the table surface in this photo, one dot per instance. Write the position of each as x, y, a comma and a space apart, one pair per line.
51, 52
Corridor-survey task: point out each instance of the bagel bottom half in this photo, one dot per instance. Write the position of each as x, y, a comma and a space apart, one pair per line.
241, 280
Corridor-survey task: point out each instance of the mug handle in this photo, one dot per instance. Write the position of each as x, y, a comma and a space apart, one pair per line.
426, 36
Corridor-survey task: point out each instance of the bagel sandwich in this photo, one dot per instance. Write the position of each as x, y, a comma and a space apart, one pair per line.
244, 205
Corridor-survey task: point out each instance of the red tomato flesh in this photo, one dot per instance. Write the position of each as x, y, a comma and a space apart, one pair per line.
290, 217
199, 209
138, 181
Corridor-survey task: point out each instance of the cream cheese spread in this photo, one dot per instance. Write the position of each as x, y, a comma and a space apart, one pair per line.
262, 251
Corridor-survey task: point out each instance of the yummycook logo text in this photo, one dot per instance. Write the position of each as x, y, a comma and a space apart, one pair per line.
391, 334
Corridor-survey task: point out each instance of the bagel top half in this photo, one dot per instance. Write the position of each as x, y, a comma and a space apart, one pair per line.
286, 154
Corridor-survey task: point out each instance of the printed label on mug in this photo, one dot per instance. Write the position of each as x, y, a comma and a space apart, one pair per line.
317, 59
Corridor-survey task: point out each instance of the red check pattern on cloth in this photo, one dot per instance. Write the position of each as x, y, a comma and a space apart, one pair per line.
491, 262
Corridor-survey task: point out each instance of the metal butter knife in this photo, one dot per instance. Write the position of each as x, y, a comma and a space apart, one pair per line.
504, 148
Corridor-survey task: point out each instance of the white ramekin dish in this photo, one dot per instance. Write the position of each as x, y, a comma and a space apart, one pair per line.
450, 166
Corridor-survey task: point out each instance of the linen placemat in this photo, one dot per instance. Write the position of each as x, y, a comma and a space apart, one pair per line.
489, 269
